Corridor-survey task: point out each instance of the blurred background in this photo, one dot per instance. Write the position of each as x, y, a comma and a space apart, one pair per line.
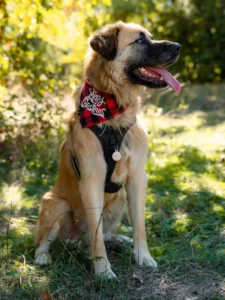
42, 48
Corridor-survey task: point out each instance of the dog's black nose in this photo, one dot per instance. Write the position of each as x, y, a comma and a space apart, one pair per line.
176, 47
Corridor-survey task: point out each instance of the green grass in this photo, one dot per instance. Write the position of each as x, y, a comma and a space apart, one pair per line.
185, 215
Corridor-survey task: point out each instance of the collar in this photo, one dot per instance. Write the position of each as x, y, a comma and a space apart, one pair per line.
97, 107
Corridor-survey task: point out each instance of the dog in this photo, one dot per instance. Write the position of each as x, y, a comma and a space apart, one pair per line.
102, 160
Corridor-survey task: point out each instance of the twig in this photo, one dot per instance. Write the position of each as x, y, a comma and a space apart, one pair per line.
6, 220
7, 232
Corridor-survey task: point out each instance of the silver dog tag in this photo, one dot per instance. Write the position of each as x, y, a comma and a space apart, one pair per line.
116, 155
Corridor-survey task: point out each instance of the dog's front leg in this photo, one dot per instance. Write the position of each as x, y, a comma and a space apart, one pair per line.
92, 193
136, 190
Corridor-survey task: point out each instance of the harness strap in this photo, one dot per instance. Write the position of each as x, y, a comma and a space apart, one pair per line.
111, 140
75, 167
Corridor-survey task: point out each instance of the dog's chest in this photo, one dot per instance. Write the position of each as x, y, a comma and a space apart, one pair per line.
122, 166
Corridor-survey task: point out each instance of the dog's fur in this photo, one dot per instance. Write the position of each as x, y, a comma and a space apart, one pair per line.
73, 206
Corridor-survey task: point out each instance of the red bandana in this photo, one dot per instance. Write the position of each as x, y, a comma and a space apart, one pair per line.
97, 107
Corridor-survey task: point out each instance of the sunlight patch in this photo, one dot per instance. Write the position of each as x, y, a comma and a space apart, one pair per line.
190, 182
219, 209
20, 226
181, 223
212, 185
12, 196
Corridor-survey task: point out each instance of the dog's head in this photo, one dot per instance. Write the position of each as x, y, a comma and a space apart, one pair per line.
129, 53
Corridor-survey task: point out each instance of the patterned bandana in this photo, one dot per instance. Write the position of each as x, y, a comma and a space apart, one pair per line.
97, 107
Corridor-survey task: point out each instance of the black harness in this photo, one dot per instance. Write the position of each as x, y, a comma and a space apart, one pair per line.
111, 140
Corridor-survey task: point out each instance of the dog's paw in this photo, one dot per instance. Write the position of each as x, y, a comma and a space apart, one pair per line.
109, 274
43, 259
146, 260
103, 268
123, 239
108, 237
143, 257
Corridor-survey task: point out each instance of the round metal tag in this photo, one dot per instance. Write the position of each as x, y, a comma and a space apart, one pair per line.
116, 156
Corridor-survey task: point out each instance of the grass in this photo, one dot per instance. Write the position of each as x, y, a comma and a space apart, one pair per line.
185, 213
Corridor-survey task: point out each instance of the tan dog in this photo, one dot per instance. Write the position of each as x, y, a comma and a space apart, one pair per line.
122, 58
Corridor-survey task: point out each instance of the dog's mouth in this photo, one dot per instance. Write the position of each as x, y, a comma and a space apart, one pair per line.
156, 78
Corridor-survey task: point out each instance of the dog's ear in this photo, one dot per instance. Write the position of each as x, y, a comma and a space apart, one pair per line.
105, 41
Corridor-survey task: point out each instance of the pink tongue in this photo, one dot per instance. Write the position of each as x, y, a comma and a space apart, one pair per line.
168, 78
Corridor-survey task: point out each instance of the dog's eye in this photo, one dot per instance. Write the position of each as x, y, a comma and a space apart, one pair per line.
140, 41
